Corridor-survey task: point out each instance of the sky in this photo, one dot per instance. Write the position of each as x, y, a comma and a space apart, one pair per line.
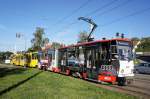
59, 18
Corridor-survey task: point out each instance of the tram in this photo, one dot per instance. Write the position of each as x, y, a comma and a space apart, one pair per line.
48, 59
31, 59
101, 61
13, 59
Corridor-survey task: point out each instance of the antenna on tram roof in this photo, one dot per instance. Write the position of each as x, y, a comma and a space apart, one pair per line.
93, 27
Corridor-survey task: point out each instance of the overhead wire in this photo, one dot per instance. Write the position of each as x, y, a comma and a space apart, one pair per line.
100, 8
94, 11
68, 26
127, 16
116, 20
108, 4
70, 15
73, 12
116, 7
109, 10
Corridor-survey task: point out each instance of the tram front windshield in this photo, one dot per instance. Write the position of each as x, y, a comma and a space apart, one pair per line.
125, 52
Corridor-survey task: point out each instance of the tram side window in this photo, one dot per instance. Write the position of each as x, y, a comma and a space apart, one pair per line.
50, 57
63, 58
71, 59
80, 57
113, 49
149, 65
89, 58
105, 53
53, 55
34, 56
21, 57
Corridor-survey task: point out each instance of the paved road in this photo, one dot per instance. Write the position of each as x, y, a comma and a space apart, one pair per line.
140, 86
142, 81
142, 76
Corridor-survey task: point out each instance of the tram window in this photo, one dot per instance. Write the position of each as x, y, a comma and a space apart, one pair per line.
43, 56
21, 57
125, 54
149, 65
114, 49
142, 64
50, 56
53, 55
34, 56
122, 54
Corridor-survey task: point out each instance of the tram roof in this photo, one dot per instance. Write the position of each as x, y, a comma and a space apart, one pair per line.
97, 41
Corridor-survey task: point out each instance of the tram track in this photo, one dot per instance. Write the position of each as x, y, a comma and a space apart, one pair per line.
140, 91
132, 90
139, 87
142, 80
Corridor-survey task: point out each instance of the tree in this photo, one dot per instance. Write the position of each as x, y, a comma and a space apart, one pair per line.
82, 37
45, 41
56, 45
144, 45
135, 39
38, 41
5, 55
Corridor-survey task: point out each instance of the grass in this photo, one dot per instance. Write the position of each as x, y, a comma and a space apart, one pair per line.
48, 85
11, 76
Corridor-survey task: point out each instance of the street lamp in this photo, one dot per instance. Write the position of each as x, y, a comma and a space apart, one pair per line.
20, 35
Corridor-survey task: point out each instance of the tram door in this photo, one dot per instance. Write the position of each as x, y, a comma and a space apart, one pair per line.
92, 62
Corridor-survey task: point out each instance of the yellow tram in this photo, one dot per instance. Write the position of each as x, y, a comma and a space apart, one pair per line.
29, 59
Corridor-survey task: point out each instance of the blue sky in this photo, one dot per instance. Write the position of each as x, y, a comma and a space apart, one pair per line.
23, 16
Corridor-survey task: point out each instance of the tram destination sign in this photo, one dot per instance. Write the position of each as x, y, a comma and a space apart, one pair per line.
123, 43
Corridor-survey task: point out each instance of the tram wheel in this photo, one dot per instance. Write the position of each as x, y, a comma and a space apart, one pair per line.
122, 81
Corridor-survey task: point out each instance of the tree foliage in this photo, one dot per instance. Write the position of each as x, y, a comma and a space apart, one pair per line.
144, 46
4, 55
135, 39
56, 45
82, 37
45, 41
38, 41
